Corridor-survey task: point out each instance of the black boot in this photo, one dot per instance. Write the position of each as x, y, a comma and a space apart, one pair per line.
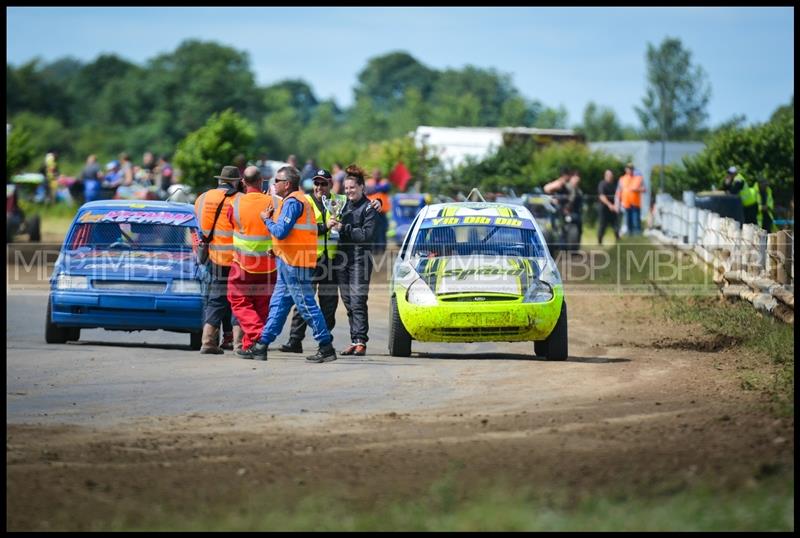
257, 351
292, 346
325, 353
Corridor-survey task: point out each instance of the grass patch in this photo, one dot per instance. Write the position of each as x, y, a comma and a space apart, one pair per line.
742, 325
765, 505
635, 262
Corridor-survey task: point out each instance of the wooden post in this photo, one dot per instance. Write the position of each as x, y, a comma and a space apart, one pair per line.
784, 257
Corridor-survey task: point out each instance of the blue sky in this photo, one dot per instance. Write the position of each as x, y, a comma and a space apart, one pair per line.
560, 56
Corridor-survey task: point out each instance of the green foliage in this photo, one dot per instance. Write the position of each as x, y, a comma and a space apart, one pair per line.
110, 105
203, 153
524, 165
552, 118
343, 152
502, 169
600, 123
45, 133
766, 149
471, 96
766, 505
32, 88
385, 155
19, 150
386, 80
677, 94
201, 78
783, 111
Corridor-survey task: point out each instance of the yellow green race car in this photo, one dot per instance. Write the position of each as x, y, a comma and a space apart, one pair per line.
477, 272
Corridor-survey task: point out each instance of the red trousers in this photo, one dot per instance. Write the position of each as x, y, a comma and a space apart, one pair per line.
249, 295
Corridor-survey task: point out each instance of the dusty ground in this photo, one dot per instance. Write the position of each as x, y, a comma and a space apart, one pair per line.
642, 404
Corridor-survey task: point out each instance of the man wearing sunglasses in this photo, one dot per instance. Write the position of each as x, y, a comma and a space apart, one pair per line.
293, 228
324, 279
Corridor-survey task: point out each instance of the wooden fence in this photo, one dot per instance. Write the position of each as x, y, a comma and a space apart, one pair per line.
747, 262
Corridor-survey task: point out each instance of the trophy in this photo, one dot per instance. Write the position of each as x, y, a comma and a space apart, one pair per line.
333, 206
334, 209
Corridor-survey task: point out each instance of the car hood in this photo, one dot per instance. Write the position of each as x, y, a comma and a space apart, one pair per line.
480, 274
126, 265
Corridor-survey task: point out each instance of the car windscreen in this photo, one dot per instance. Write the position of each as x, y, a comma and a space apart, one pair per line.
129, 235
468, 240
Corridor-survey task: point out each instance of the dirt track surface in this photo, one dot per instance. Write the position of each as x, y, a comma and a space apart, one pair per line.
100, 431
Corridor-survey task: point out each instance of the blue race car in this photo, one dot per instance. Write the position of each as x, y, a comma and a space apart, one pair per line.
128, 266
405, 207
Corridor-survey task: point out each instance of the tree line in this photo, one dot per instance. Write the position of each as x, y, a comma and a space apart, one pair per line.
186, 101
111, 104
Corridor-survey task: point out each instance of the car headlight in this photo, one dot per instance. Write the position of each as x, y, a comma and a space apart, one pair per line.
71, 282
185, 286
550, 273
539, 292
420, 294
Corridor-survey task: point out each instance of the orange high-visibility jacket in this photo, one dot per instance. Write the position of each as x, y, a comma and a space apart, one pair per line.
251, 237
628, 196
220, 250
299, 248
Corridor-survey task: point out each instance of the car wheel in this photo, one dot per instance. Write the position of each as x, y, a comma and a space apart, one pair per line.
53, 334
73, 334
399, 339
33, 225
196, 340
555, 346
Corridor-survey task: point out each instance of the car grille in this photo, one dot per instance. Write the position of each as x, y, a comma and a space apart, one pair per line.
479, 298
479, 331
126, 285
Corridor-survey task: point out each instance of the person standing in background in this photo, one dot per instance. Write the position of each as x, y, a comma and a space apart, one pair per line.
631, 186
766, 206
323, 280
91, 177
377, 188
293, 228
607, 208
164, 175
253, 269
208, 208
356, 226
338, 179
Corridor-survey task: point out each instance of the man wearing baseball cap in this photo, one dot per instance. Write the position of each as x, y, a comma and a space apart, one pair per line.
733, 182
736, 183
324, 278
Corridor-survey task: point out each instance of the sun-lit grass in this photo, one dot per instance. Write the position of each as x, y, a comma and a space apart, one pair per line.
765, 505
742, 325
633, 262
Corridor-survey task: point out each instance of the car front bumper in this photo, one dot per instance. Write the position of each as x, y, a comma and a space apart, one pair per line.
502, 321
127, 311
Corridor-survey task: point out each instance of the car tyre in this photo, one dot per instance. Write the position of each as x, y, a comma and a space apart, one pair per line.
399, 339
53, 334
555, 347
73, 334
196, 340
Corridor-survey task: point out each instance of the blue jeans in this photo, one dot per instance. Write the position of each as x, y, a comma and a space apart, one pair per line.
633, 219
294, 288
